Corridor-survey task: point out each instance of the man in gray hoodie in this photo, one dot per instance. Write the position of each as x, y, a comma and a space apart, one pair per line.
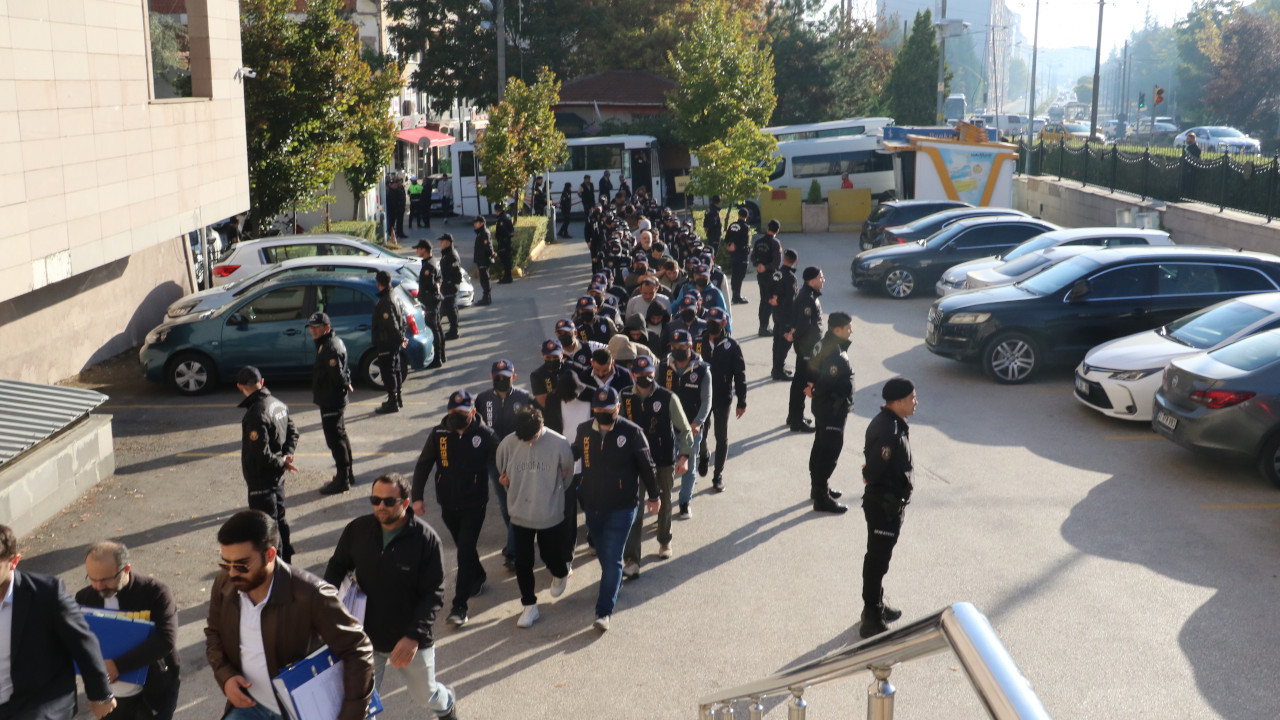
535, 464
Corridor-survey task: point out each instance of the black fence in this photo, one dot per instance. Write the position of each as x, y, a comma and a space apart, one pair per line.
1240, 182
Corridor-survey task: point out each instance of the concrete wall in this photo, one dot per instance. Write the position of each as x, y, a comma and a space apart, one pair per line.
40, 484
1070, 205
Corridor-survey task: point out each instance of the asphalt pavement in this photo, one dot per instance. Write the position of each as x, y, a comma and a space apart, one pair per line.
1128, 578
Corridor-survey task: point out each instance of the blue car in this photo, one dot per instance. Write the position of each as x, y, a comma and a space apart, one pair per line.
266, 328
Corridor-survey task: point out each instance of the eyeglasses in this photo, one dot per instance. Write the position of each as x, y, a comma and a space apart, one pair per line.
240, 566
386, 501
90, 579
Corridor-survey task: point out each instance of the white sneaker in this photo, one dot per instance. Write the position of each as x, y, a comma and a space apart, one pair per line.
528, 617
457, 619
601, 624
631, 571
558, 585
664, 551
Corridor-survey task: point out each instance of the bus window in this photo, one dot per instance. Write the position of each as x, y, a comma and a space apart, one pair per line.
862, 161
780, 170
466, 164
603, 157
843, 132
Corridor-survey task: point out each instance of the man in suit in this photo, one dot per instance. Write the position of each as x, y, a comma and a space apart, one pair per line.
265, 615
114, 586
41, 633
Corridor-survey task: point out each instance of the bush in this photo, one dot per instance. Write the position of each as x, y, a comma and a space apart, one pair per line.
529, 230
364, 229
815, 193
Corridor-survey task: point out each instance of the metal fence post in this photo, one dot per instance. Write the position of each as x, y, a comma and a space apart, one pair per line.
797, 708
1271, 185
1115, 166
1146, 169
1040, 162
1062, 155
1084, 175
880, 695
1226, 168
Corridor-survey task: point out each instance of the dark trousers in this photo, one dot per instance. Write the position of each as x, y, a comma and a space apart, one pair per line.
719, 422
884, 521
270, 500
160, 706
334, 425
738, 273
484, 279
795, 402
828, 441
550, 546
569, 529
419, 213
432, 313
764, 281
564, 224
505, 258
395, 220
389, 366
781, 346
464, 525
449, 308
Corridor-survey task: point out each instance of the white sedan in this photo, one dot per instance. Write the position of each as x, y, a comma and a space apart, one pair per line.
1212, 138
1120, 378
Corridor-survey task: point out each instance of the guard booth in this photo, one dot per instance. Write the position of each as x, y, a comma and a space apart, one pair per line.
964, 163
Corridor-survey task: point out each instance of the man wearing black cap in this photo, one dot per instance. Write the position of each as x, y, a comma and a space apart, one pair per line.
268, 439
497, 407
484, 257
887, 473
543, 381
429, 298
450, 281
737, 241
505, 233
831, 387
330, 385
388, 338
766, 255
783, 299
688, 377
591, 326
459, 451
566, 207
728, 377
712, 226
806, 333
577, 352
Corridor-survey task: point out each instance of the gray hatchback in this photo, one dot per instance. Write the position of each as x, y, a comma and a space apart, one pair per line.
1226, 401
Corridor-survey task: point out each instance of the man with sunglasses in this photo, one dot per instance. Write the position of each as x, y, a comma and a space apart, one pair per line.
114, 586
265, 615
399, 565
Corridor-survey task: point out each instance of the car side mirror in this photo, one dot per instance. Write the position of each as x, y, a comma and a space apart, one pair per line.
237, 319
1079, 290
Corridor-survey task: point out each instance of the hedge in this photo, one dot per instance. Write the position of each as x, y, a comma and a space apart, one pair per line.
363, 229
529, 230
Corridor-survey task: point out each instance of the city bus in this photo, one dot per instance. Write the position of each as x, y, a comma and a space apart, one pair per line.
800, 162
831, 128
634, 157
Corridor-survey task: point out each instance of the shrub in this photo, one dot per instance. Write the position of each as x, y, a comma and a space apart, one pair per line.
529, 230
364, 229
815, 193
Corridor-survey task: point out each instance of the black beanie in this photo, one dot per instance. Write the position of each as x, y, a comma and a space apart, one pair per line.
897, 388
811, 272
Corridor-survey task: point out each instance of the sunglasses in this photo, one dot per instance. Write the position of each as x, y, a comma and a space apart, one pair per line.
385, 501
240, 566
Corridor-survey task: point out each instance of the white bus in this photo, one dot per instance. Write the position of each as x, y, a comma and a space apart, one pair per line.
634, 157
831, 128
800, 162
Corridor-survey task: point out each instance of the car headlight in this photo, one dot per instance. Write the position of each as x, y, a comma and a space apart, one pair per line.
158, 335
180, 309
968, 318
869, 264
1131, 375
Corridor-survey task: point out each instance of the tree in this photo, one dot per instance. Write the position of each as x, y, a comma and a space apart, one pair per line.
521, 140
1084, 89
913, 85
1019, 79
1199, 40
735, 167
1245, 91
170, 53
723, 76
458, 55
800, 46
861, 64
372, 129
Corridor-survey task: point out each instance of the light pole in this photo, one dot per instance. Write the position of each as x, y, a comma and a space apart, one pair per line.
500, 31
1097, 72
1035, 53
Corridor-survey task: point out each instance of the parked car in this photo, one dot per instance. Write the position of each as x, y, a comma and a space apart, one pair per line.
901, 270
1059, 314
250, 256
1024, 267
1226, 401
267, 328
930, 224
958, 277
1212, 138
1055, 131
900, 212
1120, 378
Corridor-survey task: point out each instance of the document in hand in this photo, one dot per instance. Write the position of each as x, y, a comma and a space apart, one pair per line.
352, 597
312, 688
118, 634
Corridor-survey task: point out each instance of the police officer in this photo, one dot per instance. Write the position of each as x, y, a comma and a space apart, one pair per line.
566, 207
497, 407
782, 297
539, 197
268, 439
606, 188
686, 375
591, 327
450, 281
505, 233
832, 393
429, 298
766, 255
712, 226
419, 204
807, 333
484, 257
543, 381
738, 242
459, 451
577, 351
728, 377
388, 338
887, 473
330, 385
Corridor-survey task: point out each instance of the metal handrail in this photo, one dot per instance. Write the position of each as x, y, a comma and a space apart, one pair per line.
1001, 687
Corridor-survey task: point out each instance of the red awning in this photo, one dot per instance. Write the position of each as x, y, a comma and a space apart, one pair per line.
436, 139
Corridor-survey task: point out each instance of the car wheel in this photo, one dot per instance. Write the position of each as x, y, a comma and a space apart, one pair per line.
1011, 358
370, 373
1269, 460
899, 283
753, 213
192, 373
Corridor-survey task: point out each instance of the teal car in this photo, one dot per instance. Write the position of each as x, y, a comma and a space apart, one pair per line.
266, 328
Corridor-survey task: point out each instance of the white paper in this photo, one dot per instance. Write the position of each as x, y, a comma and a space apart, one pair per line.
353, 598
320, 698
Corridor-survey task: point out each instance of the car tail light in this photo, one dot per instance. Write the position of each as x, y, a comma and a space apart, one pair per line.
224, 270
414, 292
1218, 399
413, 324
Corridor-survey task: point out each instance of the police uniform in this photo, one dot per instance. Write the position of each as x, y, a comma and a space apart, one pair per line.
543, 381
450, 281
419, 205
832, 403
330, 383
712, 227
429, 298
504, 234
808, 332
728, 370
738, 238
483, 256
539, 197
784, 290
887, 473
498, 411
388, 337
766, 254
598, 329
267, 437
566, 207
692, 384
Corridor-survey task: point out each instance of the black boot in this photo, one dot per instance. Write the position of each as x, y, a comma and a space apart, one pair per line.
872, 622
823, 502
399, 402
835, 494
336, 486
486, 300
389, 406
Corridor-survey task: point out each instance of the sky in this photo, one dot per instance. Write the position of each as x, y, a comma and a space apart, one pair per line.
1068, 23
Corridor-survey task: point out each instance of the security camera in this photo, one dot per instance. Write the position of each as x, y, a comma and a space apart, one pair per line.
245, 72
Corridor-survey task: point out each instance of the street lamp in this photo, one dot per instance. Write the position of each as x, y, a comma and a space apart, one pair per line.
500, 24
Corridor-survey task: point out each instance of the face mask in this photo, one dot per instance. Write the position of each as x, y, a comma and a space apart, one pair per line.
457, 421
644, 382
552, 366
527, 427
680, 355
565, 339
502, 384
588, 315
688, 314
702, 282
714, 328
604, 419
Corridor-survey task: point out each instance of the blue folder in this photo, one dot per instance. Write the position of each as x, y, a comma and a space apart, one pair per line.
304, 671
117, 635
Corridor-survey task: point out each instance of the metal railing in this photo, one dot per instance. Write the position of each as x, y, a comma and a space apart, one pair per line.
1004, 692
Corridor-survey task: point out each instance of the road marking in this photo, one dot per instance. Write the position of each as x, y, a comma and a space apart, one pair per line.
1124, 438
1242, 506
297, 455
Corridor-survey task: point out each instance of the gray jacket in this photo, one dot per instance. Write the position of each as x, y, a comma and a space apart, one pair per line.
537, 474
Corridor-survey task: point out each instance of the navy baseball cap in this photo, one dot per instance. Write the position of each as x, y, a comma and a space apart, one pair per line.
597, 287
640, 259
690, 300
566, 325
586, 302
460, 400
702, 270
599, 278
248, 375
681, 337
552, 347
318, 320
642, 365
717, 315
503, 367
605, 397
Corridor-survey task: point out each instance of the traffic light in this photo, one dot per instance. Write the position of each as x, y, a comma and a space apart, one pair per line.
1159, 95
1142, 100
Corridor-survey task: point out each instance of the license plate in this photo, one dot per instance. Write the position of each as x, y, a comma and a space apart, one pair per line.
1166, 420
1082, 385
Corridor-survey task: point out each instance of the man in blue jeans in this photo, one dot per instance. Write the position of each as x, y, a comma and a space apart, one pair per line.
615, 460
688, 377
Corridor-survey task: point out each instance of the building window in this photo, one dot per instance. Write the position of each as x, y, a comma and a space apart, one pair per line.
169, 39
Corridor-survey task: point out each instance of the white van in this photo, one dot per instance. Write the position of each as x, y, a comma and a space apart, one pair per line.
800, 162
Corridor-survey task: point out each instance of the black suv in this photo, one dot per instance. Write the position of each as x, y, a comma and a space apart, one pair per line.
901, 270
930, 224
900, 212
1056, 316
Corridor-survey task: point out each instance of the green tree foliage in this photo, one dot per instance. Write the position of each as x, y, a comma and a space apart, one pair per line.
1199, 46
1245, 90
521, 140
305, 105
736, 167
912, 86
458, 56
1019, 80
723, 76
861, 64
1084, 89
372, 129
170, 50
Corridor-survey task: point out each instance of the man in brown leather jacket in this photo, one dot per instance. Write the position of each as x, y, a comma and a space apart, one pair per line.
261, 618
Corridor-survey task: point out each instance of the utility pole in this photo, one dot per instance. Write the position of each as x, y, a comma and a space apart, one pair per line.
500, 25
1097, 70
1035, 52
942, 59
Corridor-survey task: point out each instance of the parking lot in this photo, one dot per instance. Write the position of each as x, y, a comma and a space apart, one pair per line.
1127, 577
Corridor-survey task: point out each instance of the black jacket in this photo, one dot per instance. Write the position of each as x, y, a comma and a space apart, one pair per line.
620, 381
388, 324
599, 330
767, 251
887, 454
504, 231
614, 464
807, 321
784, 289
146, 598
566, 201
404, 582
543, 381
832, 375
482, 254
739, 237
331, 375
461, 464
653, 416
500, 414
267, 436
728, 369
450, 271
712, 225
429, 286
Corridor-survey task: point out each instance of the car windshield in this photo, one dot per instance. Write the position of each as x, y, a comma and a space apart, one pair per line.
1039, 242
879, 214
943, 236
1212, 325
1073, 127
1023, 265
1059, 276
1251, 353
1224, 132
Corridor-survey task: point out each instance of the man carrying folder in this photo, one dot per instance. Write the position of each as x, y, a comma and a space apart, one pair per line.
265, 615
114, 586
